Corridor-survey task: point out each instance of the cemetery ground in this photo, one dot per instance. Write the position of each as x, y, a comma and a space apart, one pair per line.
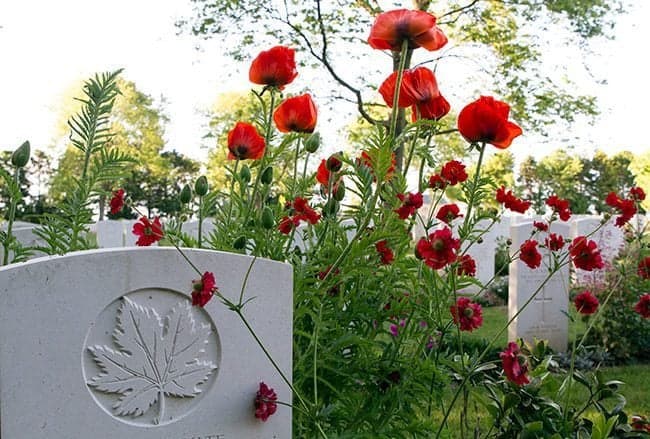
635, 376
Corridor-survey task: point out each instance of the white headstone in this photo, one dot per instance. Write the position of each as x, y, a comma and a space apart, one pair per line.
544, 317
105, 344
110, 233
483, 252
192, 228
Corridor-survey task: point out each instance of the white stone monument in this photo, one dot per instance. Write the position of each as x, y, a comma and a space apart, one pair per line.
544, 316
105, 344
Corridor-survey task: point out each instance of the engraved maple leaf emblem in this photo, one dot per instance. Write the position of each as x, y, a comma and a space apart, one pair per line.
157, 358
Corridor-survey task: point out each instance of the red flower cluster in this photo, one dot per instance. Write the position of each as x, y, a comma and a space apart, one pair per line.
336, 289
419, 90
117, 201
554, 242
300, 211
486, 120
411, 202
539, 225
626, 207
529, 255
643, 269
448, 213
148, 232
297, 114
275, 67
511, 202
451, 173
643, 306
467, 266
514, 365
392, 28
640, 423
637, 194
244, 142
385, 253
586, 303
265, 402
439, 249
560, 206
467, 314
585, 254
203, 289
325, 170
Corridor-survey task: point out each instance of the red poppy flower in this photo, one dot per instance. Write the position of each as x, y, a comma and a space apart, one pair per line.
554, 242
467, 314
637, 194
265, 402
511, 202
448, 213
439, 249
420, 90
486, 120
529, 255
286, 225
514, 365
117, 201
244, 142
437, 182
385, 253
626, 207
203, 289
148, 232
586, 303
323, 174
392, 28
643, 306
467, 266
304, 212
560, 206
643, 268
365, 160
541, 226
585, 254
297, 114
274, 67
453, 172
411, 202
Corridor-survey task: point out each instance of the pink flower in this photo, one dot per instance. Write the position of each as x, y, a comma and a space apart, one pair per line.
265, 404
467, 314
514, 365
586, 303
203, 289
148, 232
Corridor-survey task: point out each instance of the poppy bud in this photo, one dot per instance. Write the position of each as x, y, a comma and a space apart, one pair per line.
312, 143
186, 194
201, 186
268, 219
334, 163
339, 191
267, 175
331, 208
20, 156
239, 243
245, 174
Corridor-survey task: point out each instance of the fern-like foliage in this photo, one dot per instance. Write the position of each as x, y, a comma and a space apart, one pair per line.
12, 249
67, 230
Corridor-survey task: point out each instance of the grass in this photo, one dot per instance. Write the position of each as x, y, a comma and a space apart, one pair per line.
636, 377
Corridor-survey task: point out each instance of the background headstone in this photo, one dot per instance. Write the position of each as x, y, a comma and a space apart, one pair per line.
610, 240
105, 344
544, 317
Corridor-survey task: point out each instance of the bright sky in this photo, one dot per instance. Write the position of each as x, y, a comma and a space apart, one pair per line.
46, 46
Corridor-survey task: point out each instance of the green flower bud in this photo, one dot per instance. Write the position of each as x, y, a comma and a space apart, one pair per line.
245, 174
339, 191
312, 143
20, 157
331, 208
201, 186
186, 194
268, 219
267, 175
239, 243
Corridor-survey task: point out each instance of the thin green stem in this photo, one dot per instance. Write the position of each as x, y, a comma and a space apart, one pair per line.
411, 151
232, 189
398, 84
10, 221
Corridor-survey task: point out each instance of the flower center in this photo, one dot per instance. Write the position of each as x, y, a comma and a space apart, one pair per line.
438, 244
468, 312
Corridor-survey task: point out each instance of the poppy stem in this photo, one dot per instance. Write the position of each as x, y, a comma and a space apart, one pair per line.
398, 85
232, 188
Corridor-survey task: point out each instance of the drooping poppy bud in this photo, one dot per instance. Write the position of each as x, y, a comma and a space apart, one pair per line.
267, 175
268, 219
186, 194
245, 174
312, 143
201, 186
20, 156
